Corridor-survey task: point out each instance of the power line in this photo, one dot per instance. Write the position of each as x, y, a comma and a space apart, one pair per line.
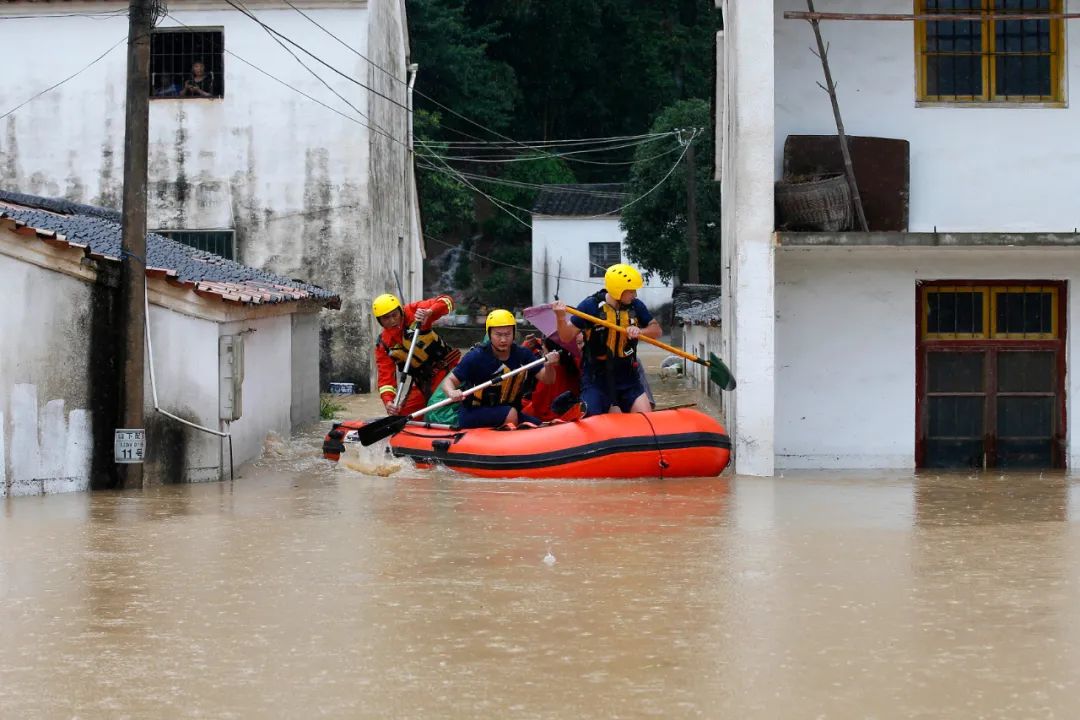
69, 77
103, 15
494, 160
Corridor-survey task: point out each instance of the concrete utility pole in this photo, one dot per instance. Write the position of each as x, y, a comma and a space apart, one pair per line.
693, 275
133, 262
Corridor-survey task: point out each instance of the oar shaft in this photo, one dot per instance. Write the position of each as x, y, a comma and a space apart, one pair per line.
478, 388
644, 338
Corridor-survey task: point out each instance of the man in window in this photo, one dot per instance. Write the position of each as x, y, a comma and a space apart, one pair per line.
199, 83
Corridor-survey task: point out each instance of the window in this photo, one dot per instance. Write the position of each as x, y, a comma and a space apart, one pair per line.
990, 377
187, 63
990, 60
980, 312
218, 242
603, 255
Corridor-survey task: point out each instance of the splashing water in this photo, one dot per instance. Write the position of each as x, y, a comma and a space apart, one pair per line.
373, 460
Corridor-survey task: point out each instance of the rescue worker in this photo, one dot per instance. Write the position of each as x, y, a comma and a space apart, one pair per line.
432, 357
499, 404
609, 379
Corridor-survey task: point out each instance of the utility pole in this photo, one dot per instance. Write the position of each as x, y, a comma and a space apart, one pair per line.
691, 213
133, 239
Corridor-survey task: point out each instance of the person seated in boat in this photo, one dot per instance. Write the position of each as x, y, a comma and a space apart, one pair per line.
610, 380
560, 399
499, 404
432, 357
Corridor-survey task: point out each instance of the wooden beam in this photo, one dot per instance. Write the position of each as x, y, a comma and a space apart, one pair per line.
937, 17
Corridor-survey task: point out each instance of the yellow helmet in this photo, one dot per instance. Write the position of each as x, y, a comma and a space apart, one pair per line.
500, 318
384, 305
620, 278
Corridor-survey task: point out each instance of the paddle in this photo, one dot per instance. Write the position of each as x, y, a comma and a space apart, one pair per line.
404, 379
375, 431
543, 317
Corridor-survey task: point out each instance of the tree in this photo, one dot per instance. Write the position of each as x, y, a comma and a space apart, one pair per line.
456, 69
656, 225
446, 204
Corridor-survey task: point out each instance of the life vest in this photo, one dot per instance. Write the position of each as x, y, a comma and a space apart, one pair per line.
431, 352
607, 349
507, 392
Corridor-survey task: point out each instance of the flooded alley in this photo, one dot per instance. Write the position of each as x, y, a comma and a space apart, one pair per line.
305, 589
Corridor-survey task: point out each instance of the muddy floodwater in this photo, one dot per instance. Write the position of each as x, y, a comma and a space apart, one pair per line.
305, 589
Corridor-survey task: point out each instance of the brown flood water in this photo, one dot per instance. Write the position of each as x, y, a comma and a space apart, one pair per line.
304, 590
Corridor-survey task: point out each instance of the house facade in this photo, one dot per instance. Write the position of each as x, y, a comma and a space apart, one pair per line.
939, 337
302, 171
234, 352
575, 238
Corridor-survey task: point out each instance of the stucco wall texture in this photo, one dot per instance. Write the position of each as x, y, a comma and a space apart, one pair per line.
309, 191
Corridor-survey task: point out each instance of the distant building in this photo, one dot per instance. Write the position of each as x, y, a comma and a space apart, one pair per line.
575, 237
696, 309
235, 349
240, 163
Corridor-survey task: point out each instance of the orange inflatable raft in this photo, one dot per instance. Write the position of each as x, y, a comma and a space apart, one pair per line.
669, 443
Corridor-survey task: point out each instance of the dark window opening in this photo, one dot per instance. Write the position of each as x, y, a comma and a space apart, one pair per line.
187, 63
218, 242
955, 312
603, 255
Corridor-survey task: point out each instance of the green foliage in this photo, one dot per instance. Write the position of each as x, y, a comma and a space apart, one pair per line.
446, 204
508, 287
463, 276
656, 237
455, 66
538, 170
329, 407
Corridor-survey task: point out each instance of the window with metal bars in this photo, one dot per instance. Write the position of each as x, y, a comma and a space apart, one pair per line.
603, 255
218, 242
993, 59
187, 63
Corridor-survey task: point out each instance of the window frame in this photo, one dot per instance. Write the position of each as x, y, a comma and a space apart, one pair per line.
595, 270
201, 29
170, 233
989, 97
990, 292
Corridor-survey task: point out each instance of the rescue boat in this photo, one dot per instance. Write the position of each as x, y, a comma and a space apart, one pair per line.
679, 442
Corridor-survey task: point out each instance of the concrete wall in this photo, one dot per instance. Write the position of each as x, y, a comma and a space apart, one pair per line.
745, 110
989, 169
702, 340
45, 423
58, 377
290, 176
845, 346
567, 239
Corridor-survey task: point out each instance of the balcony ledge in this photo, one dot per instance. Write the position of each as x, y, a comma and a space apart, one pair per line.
925, 239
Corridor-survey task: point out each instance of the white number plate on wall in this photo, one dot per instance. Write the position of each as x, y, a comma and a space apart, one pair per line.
129, 446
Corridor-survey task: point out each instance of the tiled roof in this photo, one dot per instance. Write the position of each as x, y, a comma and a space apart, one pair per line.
578, 200
97, 230
697, 304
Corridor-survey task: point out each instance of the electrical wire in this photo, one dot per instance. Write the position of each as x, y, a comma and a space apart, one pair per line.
103, 15
69, 77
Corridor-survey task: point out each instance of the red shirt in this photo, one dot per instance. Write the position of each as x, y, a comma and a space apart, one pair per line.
387, 368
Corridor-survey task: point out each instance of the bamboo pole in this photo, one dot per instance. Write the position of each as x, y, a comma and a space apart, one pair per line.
830, 87
942, 17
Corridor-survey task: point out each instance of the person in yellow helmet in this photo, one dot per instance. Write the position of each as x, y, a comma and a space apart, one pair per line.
432, 357
610, 380
499, 404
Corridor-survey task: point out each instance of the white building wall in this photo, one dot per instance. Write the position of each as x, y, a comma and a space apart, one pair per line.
745, 109
56, 349
567, 239
45, 422
186, 372
845, 345
290, 176
986, 169
267, 362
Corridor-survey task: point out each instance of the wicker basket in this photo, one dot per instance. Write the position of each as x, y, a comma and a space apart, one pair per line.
823, 205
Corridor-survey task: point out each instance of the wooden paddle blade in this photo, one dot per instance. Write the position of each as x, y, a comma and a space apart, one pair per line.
376, 430
720, 373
